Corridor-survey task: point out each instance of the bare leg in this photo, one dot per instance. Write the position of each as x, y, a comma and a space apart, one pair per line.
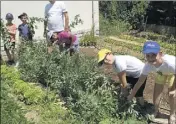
12, 55
172, 102
157, 97
8, 54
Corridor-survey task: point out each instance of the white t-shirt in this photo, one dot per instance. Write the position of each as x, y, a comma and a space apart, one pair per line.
54, 13
130, 64
167, 68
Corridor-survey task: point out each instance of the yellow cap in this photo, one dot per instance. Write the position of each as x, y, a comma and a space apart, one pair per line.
102, 53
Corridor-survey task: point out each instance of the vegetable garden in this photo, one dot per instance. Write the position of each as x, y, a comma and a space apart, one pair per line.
54, 88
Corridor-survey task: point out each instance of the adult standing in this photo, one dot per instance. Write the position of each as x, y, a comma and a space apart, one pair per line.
55, 12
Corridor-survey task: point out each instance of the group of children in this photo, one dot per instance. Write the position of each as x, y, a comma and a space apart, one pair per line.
65, 40
130, 69
133, 71
25, 34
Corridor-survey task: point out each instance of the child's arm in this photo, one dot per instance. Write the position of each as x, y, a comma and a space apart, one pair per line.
122, 78
174, 91
19, 29
141, 80
13, 31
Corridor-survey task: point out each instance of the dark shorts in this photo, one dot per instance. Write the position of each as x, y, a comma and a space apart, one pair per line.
9, 46
132, 81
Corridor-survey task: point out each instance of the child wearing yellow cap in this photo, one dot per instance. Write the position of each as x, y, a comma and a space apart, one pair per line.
128, 68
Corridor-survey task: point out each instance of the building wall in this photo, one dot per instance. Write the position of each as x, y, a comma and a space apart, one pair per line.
36, 9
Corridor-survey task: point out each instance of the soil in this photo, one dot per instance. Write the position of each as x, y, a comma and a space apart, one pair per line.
148, 93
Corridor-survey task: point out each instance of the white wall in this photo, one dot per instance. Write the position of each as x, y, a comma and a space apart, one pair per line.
36, 9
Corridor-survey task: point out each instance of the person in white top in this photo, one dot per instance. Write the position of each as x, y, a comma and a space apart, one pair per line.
55, 11
129, 69
165, 67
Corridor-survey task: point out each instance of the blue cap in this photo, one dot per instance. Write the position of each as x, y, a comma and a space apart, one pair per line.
151, 47
9, 16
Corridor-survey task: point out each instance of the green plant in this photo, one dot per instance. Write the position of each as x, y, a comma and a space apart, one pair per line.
30, 93
77, 20
32, 24
11, 112
88, 93
166, 47
5, 36
132, 12
113, 27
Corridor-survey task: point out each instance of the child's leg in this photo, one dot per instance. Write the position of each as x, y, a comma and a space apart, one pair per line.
13, 51
7, 53
158, 88
172, 102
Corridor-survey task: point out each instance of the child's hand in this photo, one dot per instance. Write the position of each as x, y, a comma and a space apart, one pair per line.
172, 93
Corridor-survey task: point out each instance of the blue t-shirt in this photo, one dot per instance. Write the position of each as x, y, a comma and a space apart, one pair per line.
24, 31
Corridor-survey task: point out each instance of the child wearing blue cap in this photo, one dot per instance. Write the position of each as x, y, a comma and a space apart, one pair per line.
9, 46
165, 67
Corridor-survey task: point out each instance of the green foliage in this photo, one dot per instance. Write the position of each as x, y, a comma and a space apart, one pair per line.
50, 109
5, 36
11, 113
77, 20
169, 48
88, 39
88, 93
27, 92
32, 24
132, 12
113, 27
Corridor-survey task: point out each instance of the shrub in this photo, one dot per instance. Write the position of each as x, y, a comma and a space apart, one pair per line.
11, 112
90, 94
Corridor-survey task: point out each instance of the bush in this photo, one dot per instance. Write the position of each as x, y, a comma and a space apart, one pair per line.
77, 80
11, 113
48, 107
113, 27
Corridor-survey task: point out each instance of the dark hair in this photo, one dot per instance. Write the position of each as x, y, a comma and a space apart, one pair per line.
23, 14
9, 16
